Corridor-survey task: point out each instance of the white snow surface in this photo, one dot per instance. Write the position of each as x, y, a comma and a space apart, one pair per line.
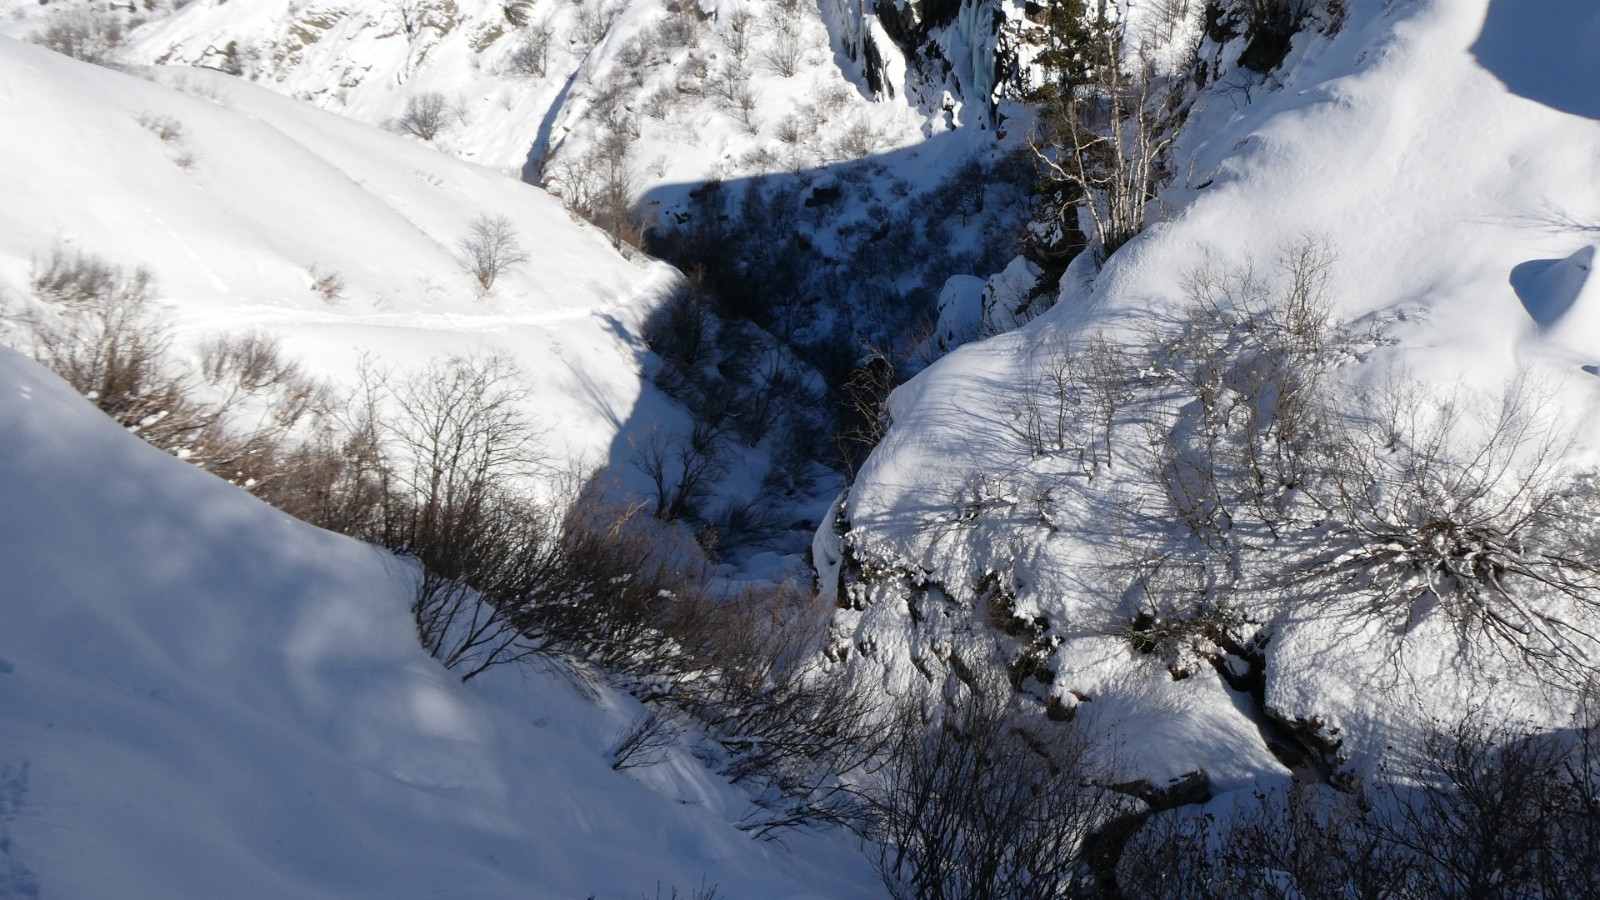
205, 697
1446, 151
276, 190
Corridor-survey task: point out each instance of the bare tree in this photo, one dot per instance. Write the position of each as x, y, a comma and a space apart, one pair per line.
1106, 119
530, 58
427, 115
490, 249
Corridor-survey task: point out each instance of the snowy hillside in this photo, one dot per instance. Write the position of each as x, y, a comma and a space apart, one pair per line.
1443, 155
1238, 504
239, 202
204, 697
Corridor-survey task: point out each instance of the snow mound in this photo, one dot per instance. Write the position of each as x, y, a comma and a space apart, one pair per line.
1563, 297
1407, 145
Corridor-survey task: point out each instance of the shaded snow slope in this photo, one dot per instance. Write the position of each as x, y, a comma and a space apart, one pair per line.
258, 196
1446, 154
203, 697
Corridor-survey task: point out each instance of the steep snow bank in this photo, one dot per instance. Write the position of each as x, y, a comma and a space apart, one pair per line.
204, 697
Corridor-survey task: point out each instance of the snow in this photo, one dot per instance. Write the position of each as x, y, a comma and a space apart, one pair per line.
1445, 152
279, 193
205, 697
209, 689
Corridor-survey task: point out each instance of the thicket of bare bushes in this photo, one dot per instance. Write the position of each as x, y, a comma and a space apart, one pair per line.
1106, 114
977, 800
233, 414
89, 33
443, 465
1485, 810
1262, 481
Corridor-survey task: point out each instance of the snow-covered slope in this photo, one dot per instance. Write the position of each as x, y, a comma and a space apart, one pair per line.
257, 196
204, 697
1445, 151
680, 69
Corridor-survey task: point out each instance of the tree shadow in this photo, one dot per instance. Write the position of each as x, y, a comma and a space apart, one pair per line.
1545, 51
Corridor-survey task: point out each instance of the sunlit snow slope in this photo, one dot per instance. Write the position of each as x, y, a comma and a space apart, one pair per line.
201, 697
260, 195
1446, 152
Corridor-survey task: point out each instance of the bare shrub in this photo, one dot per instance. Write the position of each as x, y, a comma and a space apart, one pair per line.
790, 130
427, 115
1468, 513
600, 187
328, 285
104, 337
783, 721
239, 416
864, 418
683, 468
978, 801
738, 34
857, 141
785, 52
530, 58
1310, 841
647, 741
490, 249
165, 128
1045, 416
87, 33
593, 21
